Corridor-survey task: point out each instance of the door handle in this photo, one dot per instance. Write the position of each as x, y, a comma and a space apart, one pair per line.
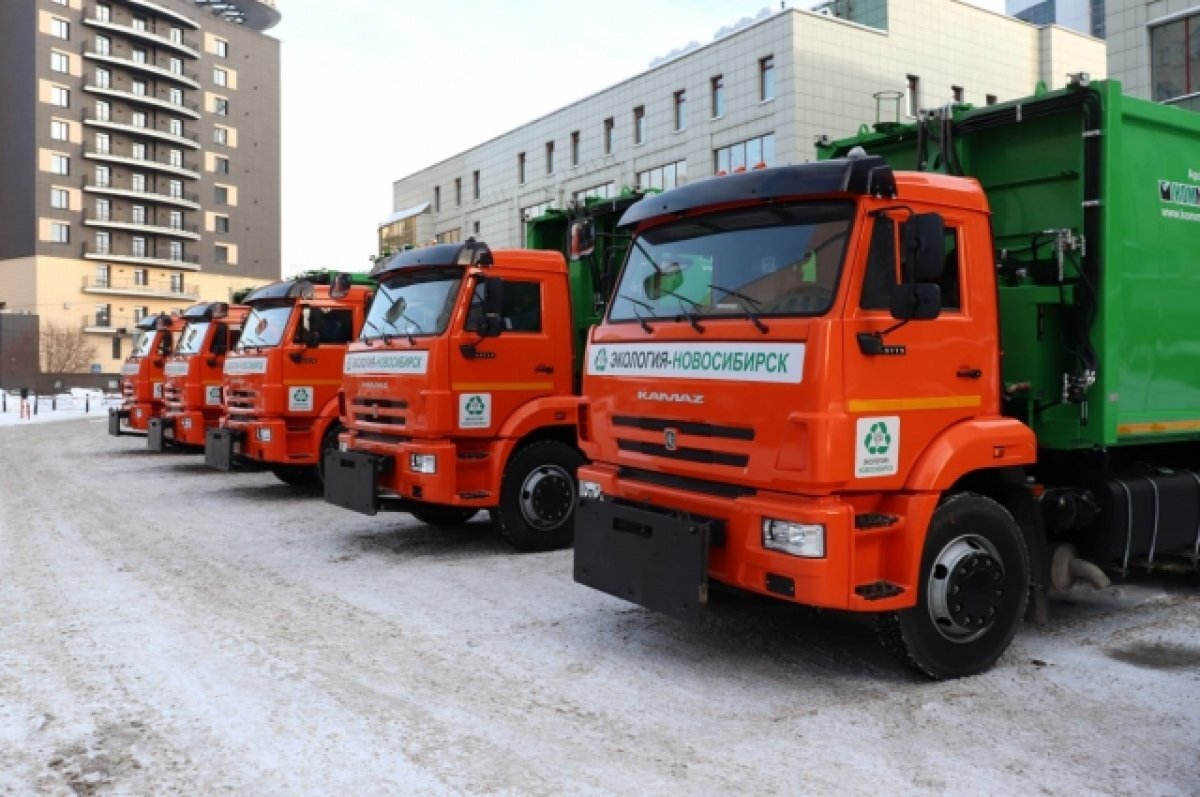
968, 373
544, 369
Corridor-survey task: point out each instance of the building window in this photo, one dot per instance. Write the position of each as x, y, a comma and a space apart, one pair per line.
437, 199
103, 243
521, 168
137, 119
103, 110
175, 189
604, 191
221, 253
176, 66
176, 283
137, 246
103, 12
59, 62
744, 155
175, 158
639, 124
914, 95
221, 223
549, 157
60, 233
103, 78
60, 28
457, 192
103, 176
175, 220
138, 56
717, 91
103, 45
766, 78
59, 130
175, 127
220, 76
139, 313
533, 211
103, 314
991, 99
957, 93
1175, 58
221, 195
609, 124
59, 198
220, 48
575, 148
60, 96
138, 23
221, 165
221, 106
138, 182
475, 184
60, 164
220, 135
175, 250
103, 210
138, 214
138, 87
103, 143
680, 110
175, 96
176, 35
663, 177
141, 277
137, 151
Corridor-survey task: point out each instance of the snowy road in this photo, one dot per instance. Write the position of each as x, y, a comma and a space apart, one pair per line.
165, 628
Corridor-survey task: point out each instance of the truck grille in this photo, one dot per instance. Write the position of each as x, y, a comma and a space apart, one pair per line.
173, 397
379, 419
682, 441
241, 402
127, 388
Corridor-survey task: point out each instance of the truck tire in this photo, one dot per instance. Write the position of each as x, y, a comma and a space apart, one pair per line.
972, 591
296, 475
537, 496
442, 516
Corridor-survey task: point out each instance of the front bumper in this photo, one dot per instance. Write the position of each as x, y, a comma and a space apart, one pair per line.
190, 427
158, 432
462, 478
222, 447
352, 480
116, 416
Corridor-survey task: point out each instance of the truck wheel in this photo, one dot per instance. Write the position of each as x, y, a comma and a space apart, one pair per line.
328, 443
972, 591
296, 475
442, 516
537, 497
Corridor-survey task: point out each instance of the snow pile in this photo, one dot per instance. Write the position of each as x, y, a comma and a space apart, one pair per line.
78, 403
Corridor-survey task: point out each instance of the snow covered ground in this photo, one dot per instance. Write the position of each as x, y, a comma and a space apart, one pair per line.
61, 407
168, 629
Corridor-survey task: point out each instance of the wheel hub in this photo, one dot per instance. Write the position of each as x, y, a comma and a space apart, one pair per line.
547, 497
966, 588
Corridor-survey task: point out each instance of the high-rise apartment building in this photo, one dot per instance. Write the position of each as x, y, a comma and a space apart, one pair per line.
139, 150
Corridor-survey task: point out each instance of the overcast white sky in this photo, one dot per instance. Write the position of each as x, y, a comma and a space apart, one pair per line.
374, 90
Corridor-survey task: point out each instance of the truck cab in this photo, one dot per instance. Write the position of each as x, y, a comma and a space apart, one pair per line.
460, 395
142, 374
281, 379
193, 374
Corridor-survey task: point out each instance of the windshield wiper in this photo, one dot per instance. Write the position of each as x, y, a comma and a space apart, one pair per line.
745, 303
363, 337
693, 318
645, 324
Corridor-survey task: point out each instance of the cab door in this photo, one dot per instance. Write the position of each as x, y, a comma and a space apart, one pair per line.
312, 365
930, 373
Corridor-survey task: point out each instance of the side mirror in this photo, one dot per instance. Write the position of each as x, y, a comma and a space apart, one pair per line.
220, 341
924, 241
916, 302
663, 282
340, 286
583, 239
493, 299
165, 343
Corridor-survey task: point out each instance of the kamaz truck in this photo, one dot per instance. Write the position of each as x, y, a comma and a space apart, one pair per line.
193, 375
281, 380
926, 378
142, 374
463, 393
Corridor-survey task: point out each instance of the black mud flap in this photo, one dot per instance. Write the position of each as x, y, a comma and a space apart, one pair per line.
156, 433
653, 560
352, 480
115, 416
220, 447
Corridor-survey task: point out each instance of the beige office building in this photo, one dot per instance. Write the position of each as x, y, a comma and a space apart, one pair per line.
1154, 50
140, 148
760, 92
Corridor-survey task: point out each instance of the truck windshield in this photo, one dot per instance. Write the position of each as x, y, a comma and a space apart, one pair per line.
143, 343
192, 339
265, 326
414, 303
780, 260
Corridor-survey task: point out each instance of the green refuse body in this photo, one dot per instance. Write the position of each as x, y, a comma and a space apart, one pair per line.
1104, 351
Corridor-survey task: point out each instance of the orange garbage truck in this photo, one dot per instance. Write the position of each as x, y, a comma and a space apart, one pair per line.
282, 378
867, 385
193, 375
142, 374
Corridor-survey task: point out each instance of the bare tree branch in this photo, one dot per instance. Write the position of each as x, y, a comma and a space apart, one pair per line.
65, 350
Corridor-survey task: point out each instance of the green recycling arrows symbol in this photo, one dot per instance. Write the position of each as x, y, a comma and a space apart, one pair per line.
474, 405
600, 361
300, 395
878, 439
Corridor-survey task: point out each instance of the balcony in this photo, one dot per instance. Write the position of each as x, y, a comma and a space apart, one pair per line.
190, 109
185, 140
157, 289
188, 201
187, 170
155, 8
186, 263
184, 46
189, 231
189, 79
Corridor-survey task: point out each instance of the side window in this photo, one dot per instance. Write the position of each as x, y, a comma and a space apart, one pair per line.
949, 283
521, 310
336, 326
881, 266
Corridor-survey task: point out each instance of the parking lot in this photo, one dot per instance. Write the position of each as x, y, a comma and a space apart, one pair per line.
172, 629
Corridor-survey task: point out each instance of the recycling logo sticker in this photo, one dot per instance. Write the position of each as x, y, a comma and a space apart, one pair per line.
600, 361
300, 399
877, 447
474, 410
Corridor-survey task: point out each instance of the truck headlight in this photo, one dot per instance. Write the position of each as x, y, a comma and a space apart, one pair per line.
262, 434
797, 539
422, 463
590, 490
